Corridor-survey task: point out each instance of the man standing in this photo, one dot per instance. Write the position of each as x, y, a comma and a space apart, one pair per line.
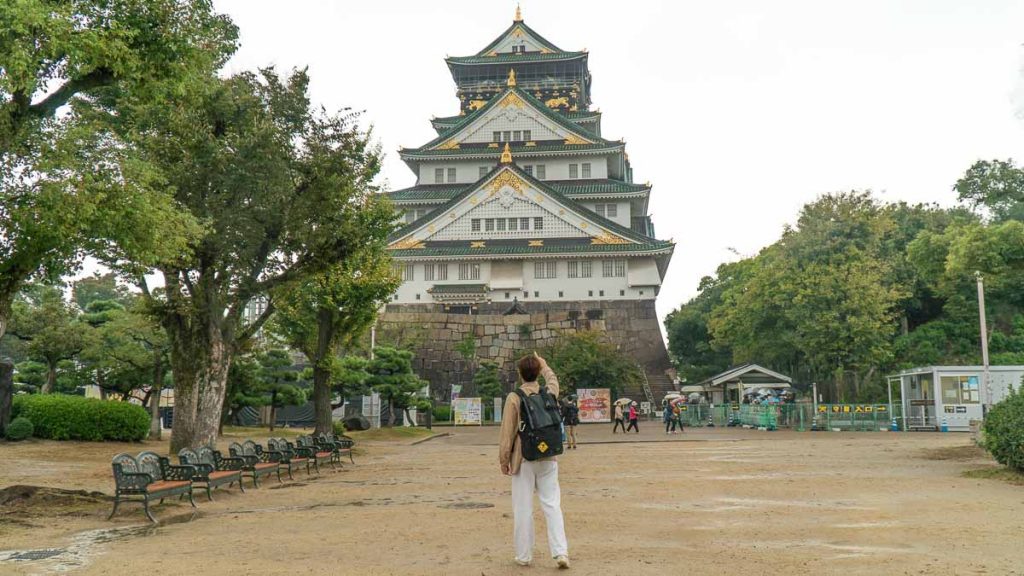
528, 476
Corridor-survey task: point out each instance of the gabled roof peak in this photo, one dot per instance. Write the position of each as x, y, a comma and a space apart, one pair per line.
519, 14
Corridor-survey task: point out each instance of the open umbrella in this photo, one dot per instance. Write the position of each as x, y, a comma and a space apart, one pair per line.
673, 395
623, 401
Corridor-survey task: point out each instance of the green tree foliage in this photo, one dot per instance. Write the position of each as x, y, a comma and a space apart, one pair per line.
588, 360
1004, 431
995, 186
391, 376
332, 310
99, 287
487, 381
858, 288
284, 190
244, 388
67, 183
51, 329
278, 382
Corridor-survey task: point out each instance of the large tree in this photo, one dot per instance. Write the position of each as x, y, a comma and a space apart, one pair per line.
327, 313
284, 191
66, 185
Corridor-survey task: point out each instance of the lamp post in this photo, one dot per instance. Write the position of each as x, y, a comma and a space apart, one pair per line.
986, 384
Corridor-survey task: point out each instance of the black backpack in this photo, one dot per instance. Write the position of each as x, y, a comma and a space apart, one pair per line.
540, 430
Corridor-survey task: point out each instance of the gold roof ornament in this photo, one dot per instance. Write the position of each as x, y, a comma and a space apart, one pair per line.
519, 14
506, 155
511, 77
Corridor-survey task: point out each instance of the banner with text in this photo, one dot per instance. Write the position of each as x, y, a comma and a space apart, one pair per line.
595, 404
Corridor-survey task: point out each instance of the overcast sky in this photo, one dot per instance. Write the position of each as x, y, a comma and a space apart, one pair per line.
738, 112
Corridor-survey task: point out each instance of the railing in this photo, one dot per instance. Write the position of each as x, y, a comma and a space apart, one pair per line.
800, 417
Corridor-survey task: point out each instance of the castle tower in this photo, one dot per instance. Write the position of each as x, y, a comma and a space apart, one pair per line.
519, 197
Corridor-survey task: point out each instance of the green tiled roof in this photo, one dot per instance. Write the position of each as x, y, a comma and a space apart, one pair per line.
458, 289
520, 58
517, 151
582, 115
494, 249
570, 188
569, 203
547, 44
526, 96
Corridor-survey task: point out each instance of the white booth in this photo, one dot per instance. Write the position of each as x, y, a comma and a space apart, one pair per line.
932, 395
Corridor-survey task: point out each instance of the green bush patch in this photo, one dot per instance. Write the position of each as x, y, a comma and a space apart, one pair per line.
62, 417
1004, 431
19, 429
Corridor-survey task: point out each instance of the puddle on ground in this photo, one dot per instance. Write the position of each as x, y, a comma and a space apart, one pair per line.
86, 545
467, 505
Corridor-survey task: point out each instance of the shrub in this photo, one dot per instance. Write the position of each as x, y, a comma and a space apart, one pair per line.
1004, 431
19, 429
442, 413
62, 417
338, 427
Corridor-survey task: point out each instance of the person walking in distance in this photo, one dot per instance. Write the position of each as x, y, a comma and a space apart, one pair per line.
634, 418
618, 420
669, 417
541, 474
570, 419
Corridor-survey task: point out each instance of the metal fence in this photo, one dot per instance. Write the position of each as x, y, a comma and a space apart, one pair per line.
800, 417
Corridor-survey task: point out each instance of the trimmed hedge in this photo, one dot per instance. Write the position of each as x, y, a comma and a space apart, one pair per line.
63, 417
1004, 431
19, 429
442, 413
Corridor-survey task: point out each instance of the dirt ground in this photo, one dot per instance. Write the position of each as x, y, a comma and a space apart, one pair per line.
710, 501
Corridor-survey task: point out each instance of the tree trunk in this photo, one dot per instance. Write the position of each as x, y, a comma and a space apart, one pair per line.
51, 379
200, 367
6, 393
321, 374
154, 399
273, 416
391, 414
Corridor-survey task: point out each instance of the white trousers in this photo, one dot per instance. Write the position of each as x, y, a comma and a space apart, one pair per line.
541, 476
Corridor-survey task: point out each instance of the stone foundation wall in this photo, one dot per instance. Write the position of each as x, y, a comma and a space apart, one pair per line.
631, 325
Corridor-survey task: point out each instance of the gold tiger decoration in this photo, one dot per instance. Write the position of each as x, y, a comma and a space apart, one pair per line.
476, 104
556, 102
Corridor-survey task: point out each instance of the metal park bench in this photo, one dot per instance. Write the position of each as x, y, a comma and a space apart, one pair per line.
212, 469
281, 451
318, 454
147, 477
339, 445
257, 462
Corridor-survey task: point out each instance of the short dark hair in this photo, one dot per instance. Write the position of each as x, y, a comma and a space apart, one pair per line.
529, 368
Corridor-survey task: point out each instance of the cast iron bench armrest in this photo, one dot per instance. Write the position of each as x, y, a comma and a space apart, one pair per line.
180, 472
304, 451
230, 463
133, 480
274, 456
202, 468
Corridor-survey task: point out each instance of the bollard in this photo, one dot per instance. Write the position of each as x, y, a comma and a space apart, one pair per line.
895, 427
711, 419
945, 425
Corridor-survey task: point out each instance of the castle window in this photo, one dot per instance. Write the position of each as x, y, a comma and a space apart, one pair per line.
501, 224
538, 223
409, 273
451, 175
528, 169
506, 295
469, 271
590, 293
410, 216
442, 271
586, 169
613, 268
622, 292
513, 224
574, 170
579, 268
438, 175
524, 223
601, 293
484, 170
542, 172
474, 225
545, 270
497, 136
560, 294
428, 274
489, 224
526, 135
517, 136
417, 296
607, 210
507, 135
536, 294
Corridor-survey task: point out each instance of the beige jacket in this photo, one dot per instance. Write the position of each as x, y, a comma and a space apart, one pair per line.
509, 450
